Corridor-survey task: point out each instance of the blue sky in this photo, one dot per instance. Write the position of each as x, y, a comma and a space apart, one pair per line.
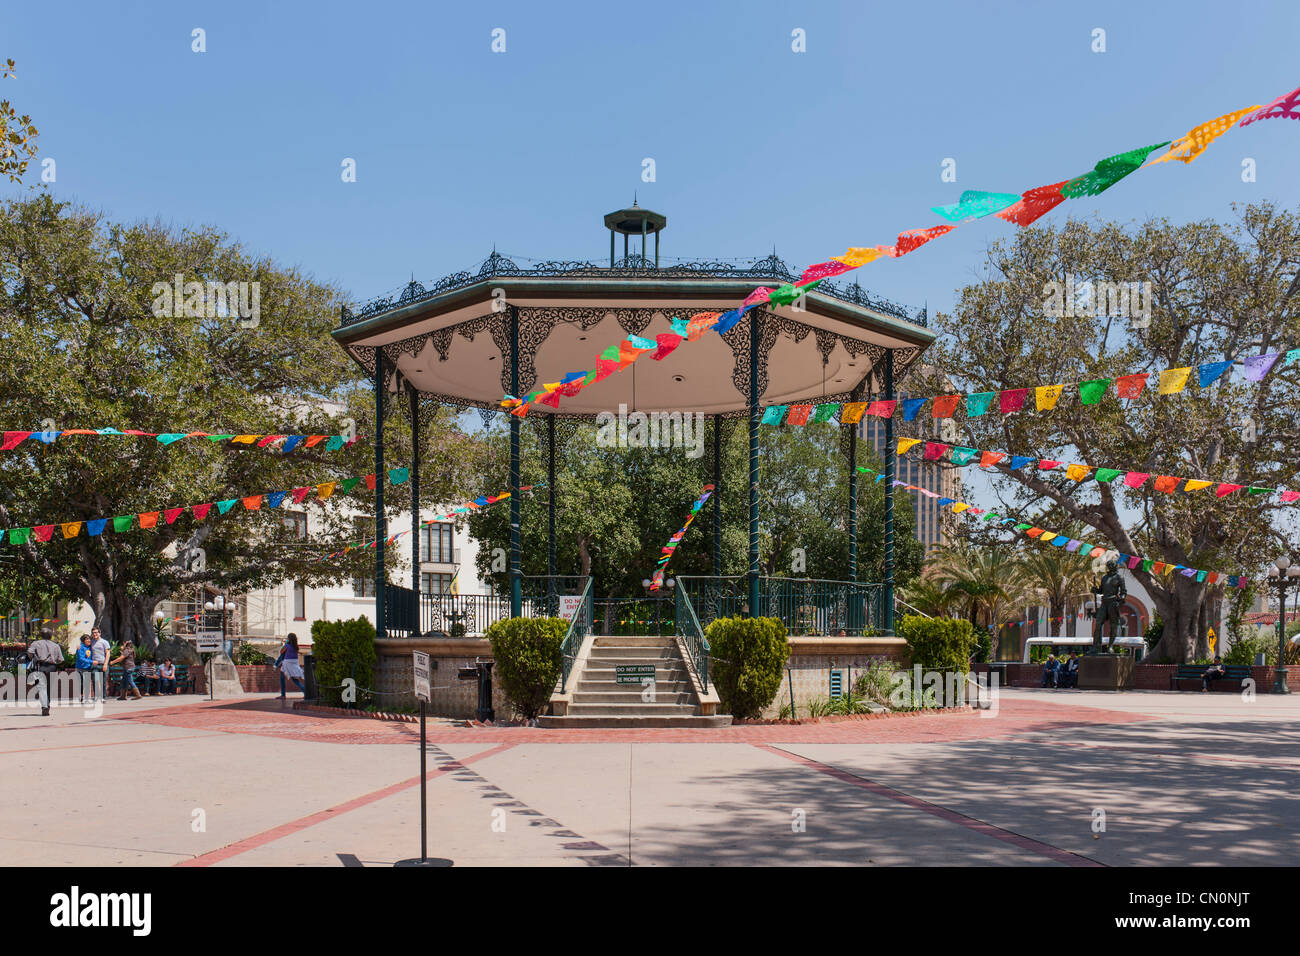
755, 146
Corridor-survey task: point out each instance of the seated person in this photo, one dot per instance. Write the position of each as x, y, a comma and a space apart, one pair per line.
149, 676
1070, 671
1051, 671
167, 677
1215, 672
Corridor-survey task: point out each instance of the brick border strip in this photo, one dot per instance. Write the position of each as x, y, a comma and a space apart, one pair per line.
847, 718
349, 712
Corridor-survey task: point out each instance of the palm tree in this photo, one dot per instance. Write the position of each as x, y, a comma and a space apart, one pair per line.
988, 579
926, 595
1058, 576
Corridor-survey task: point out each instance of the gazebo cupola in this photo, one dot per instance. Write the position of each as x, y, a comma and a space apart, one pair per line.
635, 222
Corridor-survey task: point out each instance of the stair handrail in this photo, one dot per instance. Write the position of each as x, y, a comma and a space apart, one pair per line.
697, 645
579, 627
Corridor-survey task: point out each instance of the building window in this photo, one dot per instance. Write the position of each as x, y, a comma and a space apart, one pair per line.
363, 587
435, 583
436, 544
297, 521
299, 601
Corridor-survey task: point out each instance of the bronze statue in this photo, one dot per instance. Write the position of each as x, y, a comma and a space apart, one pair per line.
1111, 593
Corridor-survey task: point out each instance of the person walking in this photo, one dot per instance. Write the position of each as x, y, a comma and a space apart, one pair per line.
99, 651
127, 660
289, 666
46, 656
85, 670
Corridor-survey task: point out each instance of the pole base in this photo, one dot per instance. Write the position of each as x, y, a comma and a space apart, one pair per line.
427, 861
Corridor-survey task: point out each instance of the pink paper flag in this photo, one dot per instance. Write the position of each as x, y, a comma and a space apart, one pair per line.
883, 408
201, 511
1289, 496
1135, 479
1226, 489
1286, 106
934, 450
1012, 400
1045, 464
171, 514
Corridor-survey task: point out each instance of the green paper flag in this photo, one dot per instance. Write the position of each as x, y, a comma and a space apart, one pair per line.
1146, 564
978, 403
224, 506
123, 522
220, 437
348, 484
1259, 491
1108, 172
825, 412
1023, 525
1091, 392
1108, 474
19, 535
335, 443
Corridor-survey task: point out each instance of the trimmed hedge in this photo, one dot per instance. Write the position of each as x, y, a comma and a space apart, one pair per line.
526, 657
342, 650
748, 658
939, 643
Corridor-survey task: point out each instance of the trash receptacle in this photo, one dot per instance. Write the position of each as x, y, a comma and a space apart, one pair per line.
309, 677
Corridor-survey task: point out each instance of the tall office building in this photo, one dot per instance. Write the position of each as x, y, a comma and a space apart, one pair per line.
912, 470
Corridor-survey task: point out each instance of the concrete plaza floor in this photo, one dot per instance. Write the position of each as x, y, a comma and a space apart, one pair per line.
1181, 779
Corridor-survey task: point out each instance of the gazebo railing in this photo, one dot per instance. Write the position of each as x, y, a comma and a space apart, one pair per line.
806, 606
692, 633
579, 627
465, 615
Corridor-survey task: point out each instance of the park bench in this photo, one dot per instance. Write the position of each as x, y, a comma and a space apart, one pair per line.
184, 680
1190, 676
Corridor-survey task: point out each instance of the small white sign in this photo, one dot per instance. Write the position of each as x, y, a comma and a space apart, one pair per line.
422, 690
207, 642
569, 604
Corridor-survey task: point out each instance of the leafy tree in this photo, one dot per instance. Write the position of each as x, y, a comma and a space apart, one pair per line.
17, 134
1060, 577
81, 346
1218, 293
986, 580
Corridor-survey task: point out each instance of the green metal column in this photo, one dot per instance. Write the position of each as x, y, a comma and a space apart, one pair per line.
853, 502
381, 529
753, 462
888, 453
415, 490
717, 495
551, 592
516, 583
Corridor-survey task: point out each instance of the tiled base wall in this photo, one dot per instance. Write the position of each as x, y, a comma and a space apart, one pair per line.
812, 659
394, 676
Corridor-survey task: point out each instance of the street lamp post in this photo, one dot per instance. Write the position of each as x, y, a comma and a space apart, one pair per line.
1283, 574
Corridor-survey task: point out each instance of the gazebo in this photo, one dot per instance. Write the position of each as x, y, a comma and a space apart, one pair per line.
473, 336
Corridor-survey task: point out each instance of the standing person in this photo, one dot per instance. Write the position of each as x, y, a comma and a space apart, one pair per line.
167, 677
289, 666
46, 656
85, 672
127, 660
99, 651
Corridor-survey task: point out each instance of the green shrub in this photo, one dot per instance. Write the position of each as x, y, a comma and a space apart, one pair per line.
342, 650
748, 660
877, 681
1243, 652
248, 654
939, 643
1155, 630
526, 654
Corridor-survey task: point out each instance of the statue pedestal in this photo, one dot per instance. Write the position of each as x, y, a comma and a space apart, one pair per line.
1106, 672
225, 679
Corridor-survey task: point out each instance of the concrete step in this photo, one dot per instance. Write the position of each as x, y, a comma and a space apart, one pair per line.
661, 686
635, 723
631, 710
623, 641
634, 654
582, 697
606, 670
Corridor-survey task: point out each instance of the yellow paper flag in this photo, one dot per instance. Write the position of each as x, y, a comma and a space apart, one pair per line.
325, 490
1195, 484
905, 443
1172, 380
245, 439
857, 257
1047, 396
851, 413
71, 529
1198, 138
1077, 472
959, 507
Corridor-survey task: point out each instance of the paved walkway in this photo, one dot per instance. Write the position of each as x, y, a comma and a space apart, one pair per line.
1181, 779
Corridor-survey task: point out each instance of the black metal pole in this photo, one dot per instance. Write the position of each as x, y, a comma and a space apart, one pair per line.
424, 786
381, 531
889, 499
551, 591
753, 462
516, 584
1279, 672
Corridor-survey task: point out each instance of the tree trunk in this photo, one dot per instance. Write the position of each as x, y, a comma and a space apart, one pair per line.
1179, 607
119, 615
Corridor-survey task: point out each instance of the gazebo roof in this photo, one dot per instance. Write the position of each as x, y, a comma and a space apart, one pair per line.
452, 341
